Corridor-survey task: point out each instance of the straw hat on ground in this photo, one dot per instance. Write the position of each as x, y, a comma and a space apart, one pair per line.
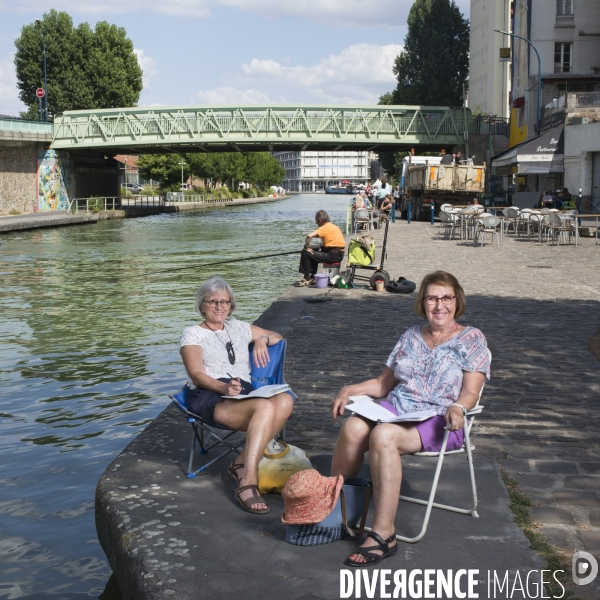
309, 497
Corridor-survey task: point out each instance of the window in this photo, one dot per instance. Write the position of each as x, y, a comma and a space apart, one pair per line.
563, 58
564, 7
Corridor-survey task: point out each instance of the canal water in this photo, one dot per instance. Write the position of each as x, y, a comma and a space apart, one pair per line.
90, 318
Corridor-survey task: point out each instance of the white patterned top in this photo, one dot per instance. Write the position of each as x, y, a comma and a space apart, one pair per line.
432, 379
214, 352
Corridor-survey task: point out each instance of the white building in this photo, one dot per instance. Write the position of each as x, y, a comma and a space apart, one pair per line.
488, 77
314, 170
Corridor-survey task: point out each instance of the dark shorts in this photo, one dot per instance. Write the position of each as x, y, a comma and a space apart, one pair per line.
432, 433
202, 402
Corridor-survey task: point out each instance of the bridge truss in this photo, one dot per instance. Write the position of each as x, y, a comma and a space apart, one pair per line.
256, 128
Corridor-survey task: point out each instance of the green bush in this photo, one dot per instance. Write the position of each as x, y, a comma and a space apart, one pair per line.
14, 211
149, 191
96, 205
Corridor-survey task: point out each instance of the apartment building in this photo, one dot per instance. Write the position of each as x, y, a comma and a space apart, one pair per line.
488, 77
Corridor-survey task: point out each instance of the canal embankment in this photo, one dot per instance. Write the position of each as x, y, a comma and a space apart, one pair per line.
169, 536
172, 536
39, 220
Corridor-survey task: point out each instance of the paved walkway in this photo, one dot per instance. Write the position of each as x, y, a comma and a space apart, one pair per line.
539, 308
57, 218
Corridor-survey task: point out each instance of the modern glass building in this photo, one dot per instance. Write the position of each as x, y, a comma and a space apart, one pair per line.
314, 170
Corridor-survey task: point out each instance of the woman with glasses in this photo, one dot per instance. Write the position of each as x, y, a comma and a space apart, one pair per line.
441, 365
216, 358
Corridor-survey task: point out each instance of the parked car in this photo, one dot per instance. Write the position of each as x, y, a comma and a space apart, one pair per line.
134, 188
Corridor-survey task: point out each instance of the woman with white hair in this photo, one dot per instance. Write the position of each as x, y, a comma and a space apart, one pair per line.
216, 358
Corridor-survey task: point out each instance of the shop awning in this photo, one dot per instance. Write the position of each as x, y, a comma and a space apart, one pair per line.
543, 154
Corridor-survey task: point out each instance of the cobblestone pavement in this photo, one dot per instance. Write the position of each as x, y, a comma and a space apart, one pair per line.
539, 307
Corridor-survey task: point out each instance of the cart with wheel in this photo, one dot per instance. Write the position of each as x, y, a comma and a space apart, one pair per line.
377, 271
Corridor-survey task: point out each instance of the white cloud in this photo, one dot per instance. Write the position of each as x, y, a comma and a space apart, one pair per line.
9, 94
359, 74
231, 95
356, 13
148, 66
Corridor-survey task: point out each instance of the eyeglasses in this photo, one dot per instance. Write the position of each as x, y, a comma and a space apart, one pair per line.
215, 303
230, 353
434, 299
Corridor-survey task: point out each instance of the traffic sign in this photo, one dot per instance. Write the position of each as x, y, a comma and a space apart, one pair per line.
40, 93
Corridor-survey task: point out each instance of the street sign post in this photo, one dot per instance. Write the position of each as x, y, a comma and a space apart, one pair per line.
40, 93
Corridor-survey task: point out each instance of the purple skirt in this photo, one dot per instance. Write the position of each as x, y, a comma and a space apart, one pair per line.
432, 433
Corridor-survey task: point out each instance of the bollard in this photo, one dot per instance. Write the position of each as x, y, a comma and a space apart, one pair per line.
579, 207
432, 212
408, 211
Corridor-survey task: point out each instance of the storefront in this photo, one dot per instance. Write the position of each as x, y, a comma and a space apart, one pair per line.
535, 166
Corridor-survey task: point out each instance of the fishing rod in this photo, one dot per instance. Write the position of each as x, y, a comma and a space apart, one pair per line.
221, 262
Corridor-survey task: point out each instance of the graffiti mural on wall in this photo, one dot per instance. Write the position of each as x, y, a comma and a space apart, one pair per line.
53, 176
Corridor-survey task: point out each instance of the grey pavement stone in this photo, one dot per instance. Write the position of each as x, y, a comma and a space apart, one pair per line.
535, 481
551, 466
595, 517
588, 482
590, 539
556, 537
549, 514
591, 467
576, 498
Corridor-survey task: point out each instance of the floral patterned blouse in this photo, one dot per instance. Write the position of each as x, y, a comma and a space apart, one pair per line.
433, 378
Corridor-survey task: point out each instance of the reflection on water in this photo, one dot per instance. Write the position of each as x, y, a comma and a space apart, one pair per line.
91, 318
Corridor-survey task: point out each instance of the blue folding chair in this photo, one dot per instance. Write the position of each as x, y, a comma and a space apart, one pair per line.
218, 434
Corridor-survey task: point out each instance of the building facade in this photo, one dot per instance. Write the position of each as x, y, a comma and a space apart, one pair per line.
566, 34
488, 77
314, 170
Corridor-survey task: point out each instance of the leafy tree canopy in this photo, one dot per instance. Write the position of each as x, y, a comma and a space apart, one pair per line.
435, 61
85, 68
258, 168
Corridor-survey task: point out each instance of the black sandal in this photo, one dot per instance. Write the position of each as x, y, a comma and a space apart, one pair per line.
256, 498
371, 557
233, 469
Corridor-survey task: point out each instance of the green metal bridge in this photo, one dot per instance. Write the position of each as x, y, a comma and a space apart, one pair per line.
260, 128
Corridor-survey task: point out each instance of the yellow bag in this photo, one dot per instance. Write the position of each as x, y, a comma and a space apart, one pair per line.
278, 463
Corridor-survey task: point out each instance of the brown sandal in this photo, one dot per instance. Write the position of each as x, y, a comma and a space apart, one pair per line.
233, 469
256, 498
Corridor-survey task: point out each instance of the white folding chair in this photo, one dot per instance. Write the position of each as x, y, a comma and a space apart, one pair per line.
468, 448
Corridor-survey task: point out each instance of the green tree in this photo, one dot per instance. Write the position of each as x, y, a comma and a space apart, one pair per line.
434, 64
263, 170
85, 68
165, 168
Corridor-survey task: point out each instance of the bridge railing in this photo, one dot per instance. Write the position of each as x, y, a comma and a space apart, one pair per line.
25, 126
94, 205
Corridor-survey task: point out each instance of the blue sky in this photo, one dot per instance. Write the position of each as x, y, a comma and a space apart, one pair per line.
207, 52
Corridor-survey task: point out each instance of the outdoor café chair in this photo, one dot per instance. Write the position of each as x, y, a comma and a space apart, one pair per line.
560, 227
486, 225
468, 449
448, 222
362, 220
207, 434
512, 217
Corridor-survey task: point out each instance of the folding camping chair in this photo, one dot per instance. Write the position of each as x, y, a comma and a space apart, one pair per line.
468, 448
208, 434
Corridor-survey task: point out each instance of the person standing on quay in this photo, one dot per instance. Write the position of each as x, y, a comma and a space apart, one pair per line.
332, 248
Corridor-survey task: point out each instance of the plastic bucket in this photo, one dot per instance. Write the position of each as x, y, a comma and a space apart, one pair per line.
322, 280
380, 285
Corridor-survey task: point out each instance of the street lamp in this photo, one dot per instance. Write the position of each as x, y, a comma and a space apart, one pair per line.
182, 163
39, 22
539, 99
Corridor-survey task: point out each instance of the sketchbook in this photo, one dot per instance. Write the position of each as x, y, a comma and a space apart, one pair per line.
266, 391
370, 409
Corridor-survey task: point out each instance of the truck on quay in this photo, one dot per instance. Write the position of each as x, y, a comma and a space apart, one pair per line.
425, 183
